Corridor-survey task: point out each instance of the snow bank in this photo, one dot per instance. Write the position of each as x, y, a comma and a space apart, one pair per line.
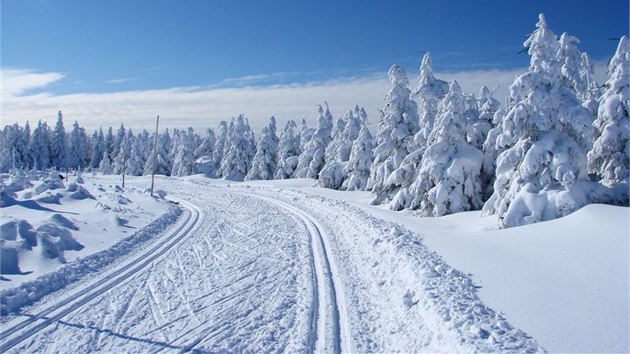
12, 300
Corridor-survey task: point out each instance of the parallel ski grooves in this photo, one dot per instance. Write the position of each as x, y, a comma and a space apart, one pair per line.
41, 320
323, 287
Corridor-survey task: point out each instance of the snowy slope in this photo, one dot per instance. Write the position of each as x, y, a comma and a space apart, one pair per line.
286, 266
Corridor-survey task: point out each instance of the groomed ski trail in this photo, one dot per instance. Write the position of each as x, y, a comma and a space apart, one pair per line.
329, 325
280, 270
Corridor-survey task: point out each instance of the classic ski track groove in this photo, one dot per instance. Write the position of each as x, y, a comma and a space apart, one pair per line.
326, 286
35, 323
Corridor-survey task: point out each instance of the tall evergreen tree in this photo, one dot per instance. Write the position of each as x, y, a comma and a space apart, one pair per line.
183, 163
396, 130
240, 150
59, 145
79, 147
265, 161
449, 179
549, 132
358, 168
40, 146
98, 148
312, 158
288, 151
611, 151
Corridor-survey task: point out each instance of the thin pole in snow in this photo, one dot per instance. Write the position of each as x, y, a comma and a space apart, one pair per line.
124, 161
157, 123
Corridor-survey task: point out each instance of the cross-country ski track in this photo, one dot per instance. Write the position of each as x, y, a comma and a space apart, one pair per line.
253, 268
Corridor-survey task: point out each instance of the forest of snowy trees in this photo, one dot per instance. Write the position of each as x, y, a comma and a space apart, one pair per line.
559, 142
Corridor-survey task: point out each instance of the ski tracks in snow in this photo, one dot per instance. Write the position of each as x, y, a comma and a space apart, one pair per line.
24, 327
329, 327
271, 270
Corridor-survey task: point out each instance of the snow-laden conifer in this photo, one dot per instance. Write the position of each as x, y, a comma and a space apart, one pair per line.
183, 163
59, 145
137, 154
265, 161
206, 147
396, 130
609, 156
220, 145
449, 178
549, 132
40, 146
79, 154
428, 94
357, 169
159, 164
98, 148
338, 151
288, 151
239, 151
312, 158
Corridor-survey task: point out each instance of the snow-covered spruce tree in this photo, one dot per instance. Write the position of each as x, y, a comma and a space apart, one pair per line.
357, 169
312, 158
220, 146
183, 163
590, 98
159, 164
551, 132
479, 129
124, 151
79, 149
338, 151
59, 145
449, 178
428, 94
206, 147
137, 156
396, 129
40, 146
611, 151
288, 151
106, 166
265, 162
98, 148
120, 136
109, 144
239, 151
305, 135
14, 147
204, 155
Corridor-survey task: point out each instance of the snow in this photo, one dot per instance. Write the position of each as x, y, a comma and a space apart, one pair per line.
244, 278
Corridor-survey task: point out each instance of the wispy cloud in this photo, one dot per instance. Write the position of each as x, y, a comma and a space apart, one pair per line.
121, 81
16, 82
202, 107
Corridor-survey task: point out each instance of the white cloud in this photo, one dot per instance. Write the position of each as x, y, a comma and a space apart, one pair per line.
16, 82
203, 107
121, 81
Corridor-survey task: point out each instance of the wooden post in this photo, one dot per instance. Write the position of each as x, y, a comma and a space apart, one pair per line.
157, 123
124, 161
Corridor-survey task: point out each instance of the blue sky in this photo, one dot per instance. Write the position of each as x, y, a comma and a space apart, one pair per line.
74, 49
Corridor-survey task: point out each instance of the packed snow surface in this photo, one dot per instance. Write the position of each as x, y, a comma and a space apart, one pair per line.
287, 266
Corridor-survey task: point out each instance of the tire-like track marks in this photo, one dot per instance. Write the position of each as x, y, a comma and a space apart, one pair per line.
329, 326
15, 334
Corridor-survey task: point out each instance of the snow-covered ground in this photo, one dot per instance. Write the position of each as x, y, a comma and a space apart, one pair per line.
288, 266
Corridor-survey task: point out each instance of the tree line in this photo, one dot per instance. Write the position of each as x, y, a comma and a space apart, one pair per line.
559, 142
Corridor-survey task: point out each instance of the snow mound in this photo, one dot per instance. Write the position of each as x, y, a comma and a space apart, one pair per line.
12, 300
